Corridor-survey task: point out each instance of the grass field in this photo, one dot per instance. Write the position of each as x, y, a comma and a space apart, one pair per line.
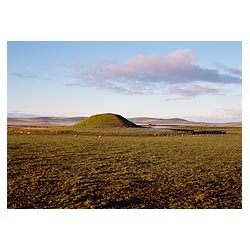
127, 168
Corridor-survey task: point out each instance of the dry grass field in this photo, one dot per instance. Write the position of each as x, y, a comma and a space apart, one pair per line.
123, 168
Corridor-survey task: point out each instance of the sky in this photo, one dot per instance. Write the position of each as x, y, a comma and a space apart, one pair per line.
198, 81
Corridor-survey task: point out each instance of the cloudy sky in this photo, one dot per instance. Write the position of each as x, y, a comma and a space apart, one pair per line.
199, 81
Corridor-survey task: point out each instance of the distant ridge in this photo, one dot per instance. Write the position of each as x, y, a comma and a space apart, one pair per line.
44, 120
160, 121
140, 121
106, 120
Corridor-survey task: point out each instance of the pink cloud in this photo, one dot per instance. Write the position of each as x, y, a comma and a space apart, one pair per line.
180, 58
150, 74
153, 68
221, 115
236, 70
194, 90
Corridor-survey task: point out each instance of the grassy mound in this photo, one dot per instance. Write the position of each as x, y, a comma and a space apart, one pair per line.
105, 121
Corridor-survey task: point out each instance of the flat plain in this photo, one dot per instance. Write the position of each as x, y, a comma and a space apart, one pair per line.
62, 167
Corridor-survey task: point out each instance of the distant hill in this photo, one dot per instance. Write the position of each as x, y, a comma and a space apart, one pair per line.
106, 120
160, 121
45, 120
143, 121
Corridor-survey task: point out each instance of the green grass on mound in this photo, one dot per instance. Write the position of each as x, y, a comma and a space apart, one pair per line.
106, 120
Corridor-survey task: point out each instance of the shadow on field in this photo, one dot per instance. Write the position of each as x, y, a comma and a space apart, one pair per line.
123, 203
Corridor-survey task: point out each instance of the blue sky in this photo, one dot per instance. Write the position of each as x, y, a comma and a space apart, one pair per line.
199, 81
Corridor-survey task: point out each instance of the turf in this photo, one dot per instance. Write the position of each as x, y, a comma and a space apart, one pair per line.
106, 120
51, 169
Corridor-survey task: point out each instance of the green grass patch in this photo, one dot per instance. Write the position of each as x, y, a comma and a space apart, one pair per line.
107, 120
